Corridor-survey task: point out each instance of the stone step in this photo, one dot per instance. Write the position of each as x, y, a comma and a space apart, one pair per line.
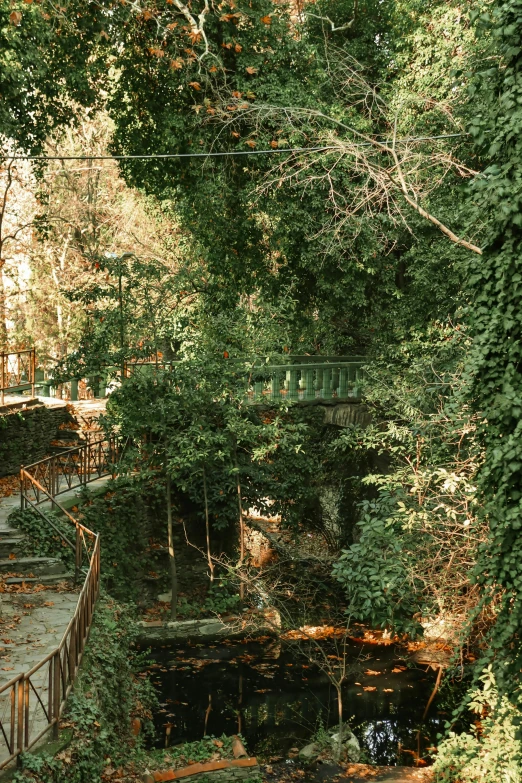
49, 579
10, 545
38, 566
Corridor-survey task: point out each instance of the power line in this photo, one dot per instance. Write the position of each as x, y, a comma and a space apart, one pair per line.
228, 153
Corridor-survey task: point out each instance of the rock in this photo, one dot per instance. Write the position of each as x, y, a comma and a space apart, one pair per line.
165, 597
350, 744
309, 752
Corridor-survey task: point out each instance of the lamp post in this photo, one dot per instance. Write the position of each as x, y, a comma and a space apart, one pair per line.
123, 257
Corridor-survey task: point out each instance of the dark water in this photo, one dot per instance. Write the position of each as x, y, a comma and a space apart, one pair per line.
267, 693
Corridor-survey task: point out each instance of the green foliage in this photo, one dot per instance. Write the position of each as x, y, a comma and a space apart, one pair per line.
492, 750
494, 380
51, 64
120, 516
222, 597
416, 539
42, 540
106, 697
376, 581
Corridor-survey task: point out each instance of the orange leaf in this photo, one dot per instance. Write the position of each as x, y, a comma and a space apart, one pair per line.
195, 85
213, 69
238, 48
369, 688
388, 690
274, 145
251, 143
250, 69
235, 134
371, 672
266, 19
12, 557
237, 94
176, 64
231, 108
15, 17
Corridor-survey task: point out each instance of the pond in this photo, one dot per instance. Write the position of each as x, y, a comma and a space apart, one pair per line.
267, 692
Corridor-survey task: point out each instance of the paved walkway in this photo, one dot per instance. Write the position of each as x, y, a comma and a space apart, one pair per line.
33, 620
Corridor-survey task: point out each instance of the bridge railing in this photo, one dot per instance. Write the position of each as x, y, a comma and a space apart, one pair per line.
292, 378
306, 382
17, 372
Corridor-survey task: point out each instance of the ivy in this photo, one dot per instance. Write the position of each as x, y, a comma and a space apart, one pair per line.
107, 695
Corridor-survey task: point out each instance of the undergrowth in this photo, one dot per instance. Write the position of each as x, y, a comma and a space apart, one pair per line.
110, 692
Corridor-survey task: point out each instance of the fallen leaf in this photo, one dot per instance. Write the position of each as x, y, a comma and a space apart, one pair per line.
266, 19
250, 69
15, 17
388, 690
195, 85
369, 688
399, 669
371, 672
12, 557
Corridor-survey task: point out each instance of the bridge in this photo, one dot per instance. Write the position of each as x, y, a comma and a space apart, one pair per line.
296, 379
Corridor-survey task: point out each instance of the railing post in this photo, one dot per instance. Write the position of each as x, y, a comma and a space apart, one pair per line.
78, 555
292, 385
33, 370
309, 391
275, 388
74, 390
258, 390
26, 712
20, 720
326, 391
342, 391
12, 733
56, 694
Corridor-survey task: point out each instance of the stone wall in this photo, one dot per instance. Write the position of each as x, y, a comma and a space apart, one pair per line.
26, 434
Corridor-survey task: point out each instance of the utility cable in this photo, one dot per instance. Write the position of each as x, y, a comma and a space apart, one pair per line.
228, 153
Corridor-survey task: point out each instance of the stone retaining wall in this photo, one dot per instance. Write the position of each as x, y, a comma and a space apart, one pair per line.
210, 628
25, 435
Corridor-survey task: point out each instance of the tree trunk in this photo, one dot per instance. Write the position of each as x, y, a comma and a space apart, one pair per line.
241, 534
172, 557
207, 528
339, 751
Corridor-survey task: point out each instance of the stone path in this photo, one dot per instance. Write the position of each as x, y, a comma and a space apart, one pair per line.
37, 604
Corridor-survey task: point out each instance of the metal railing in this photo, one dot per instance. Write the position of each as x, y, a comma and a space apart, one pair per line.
32, 702
68, 470
17, 372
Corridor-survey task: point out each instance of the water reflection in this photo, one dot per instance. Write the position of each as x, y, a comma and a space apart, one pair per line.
276, 701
